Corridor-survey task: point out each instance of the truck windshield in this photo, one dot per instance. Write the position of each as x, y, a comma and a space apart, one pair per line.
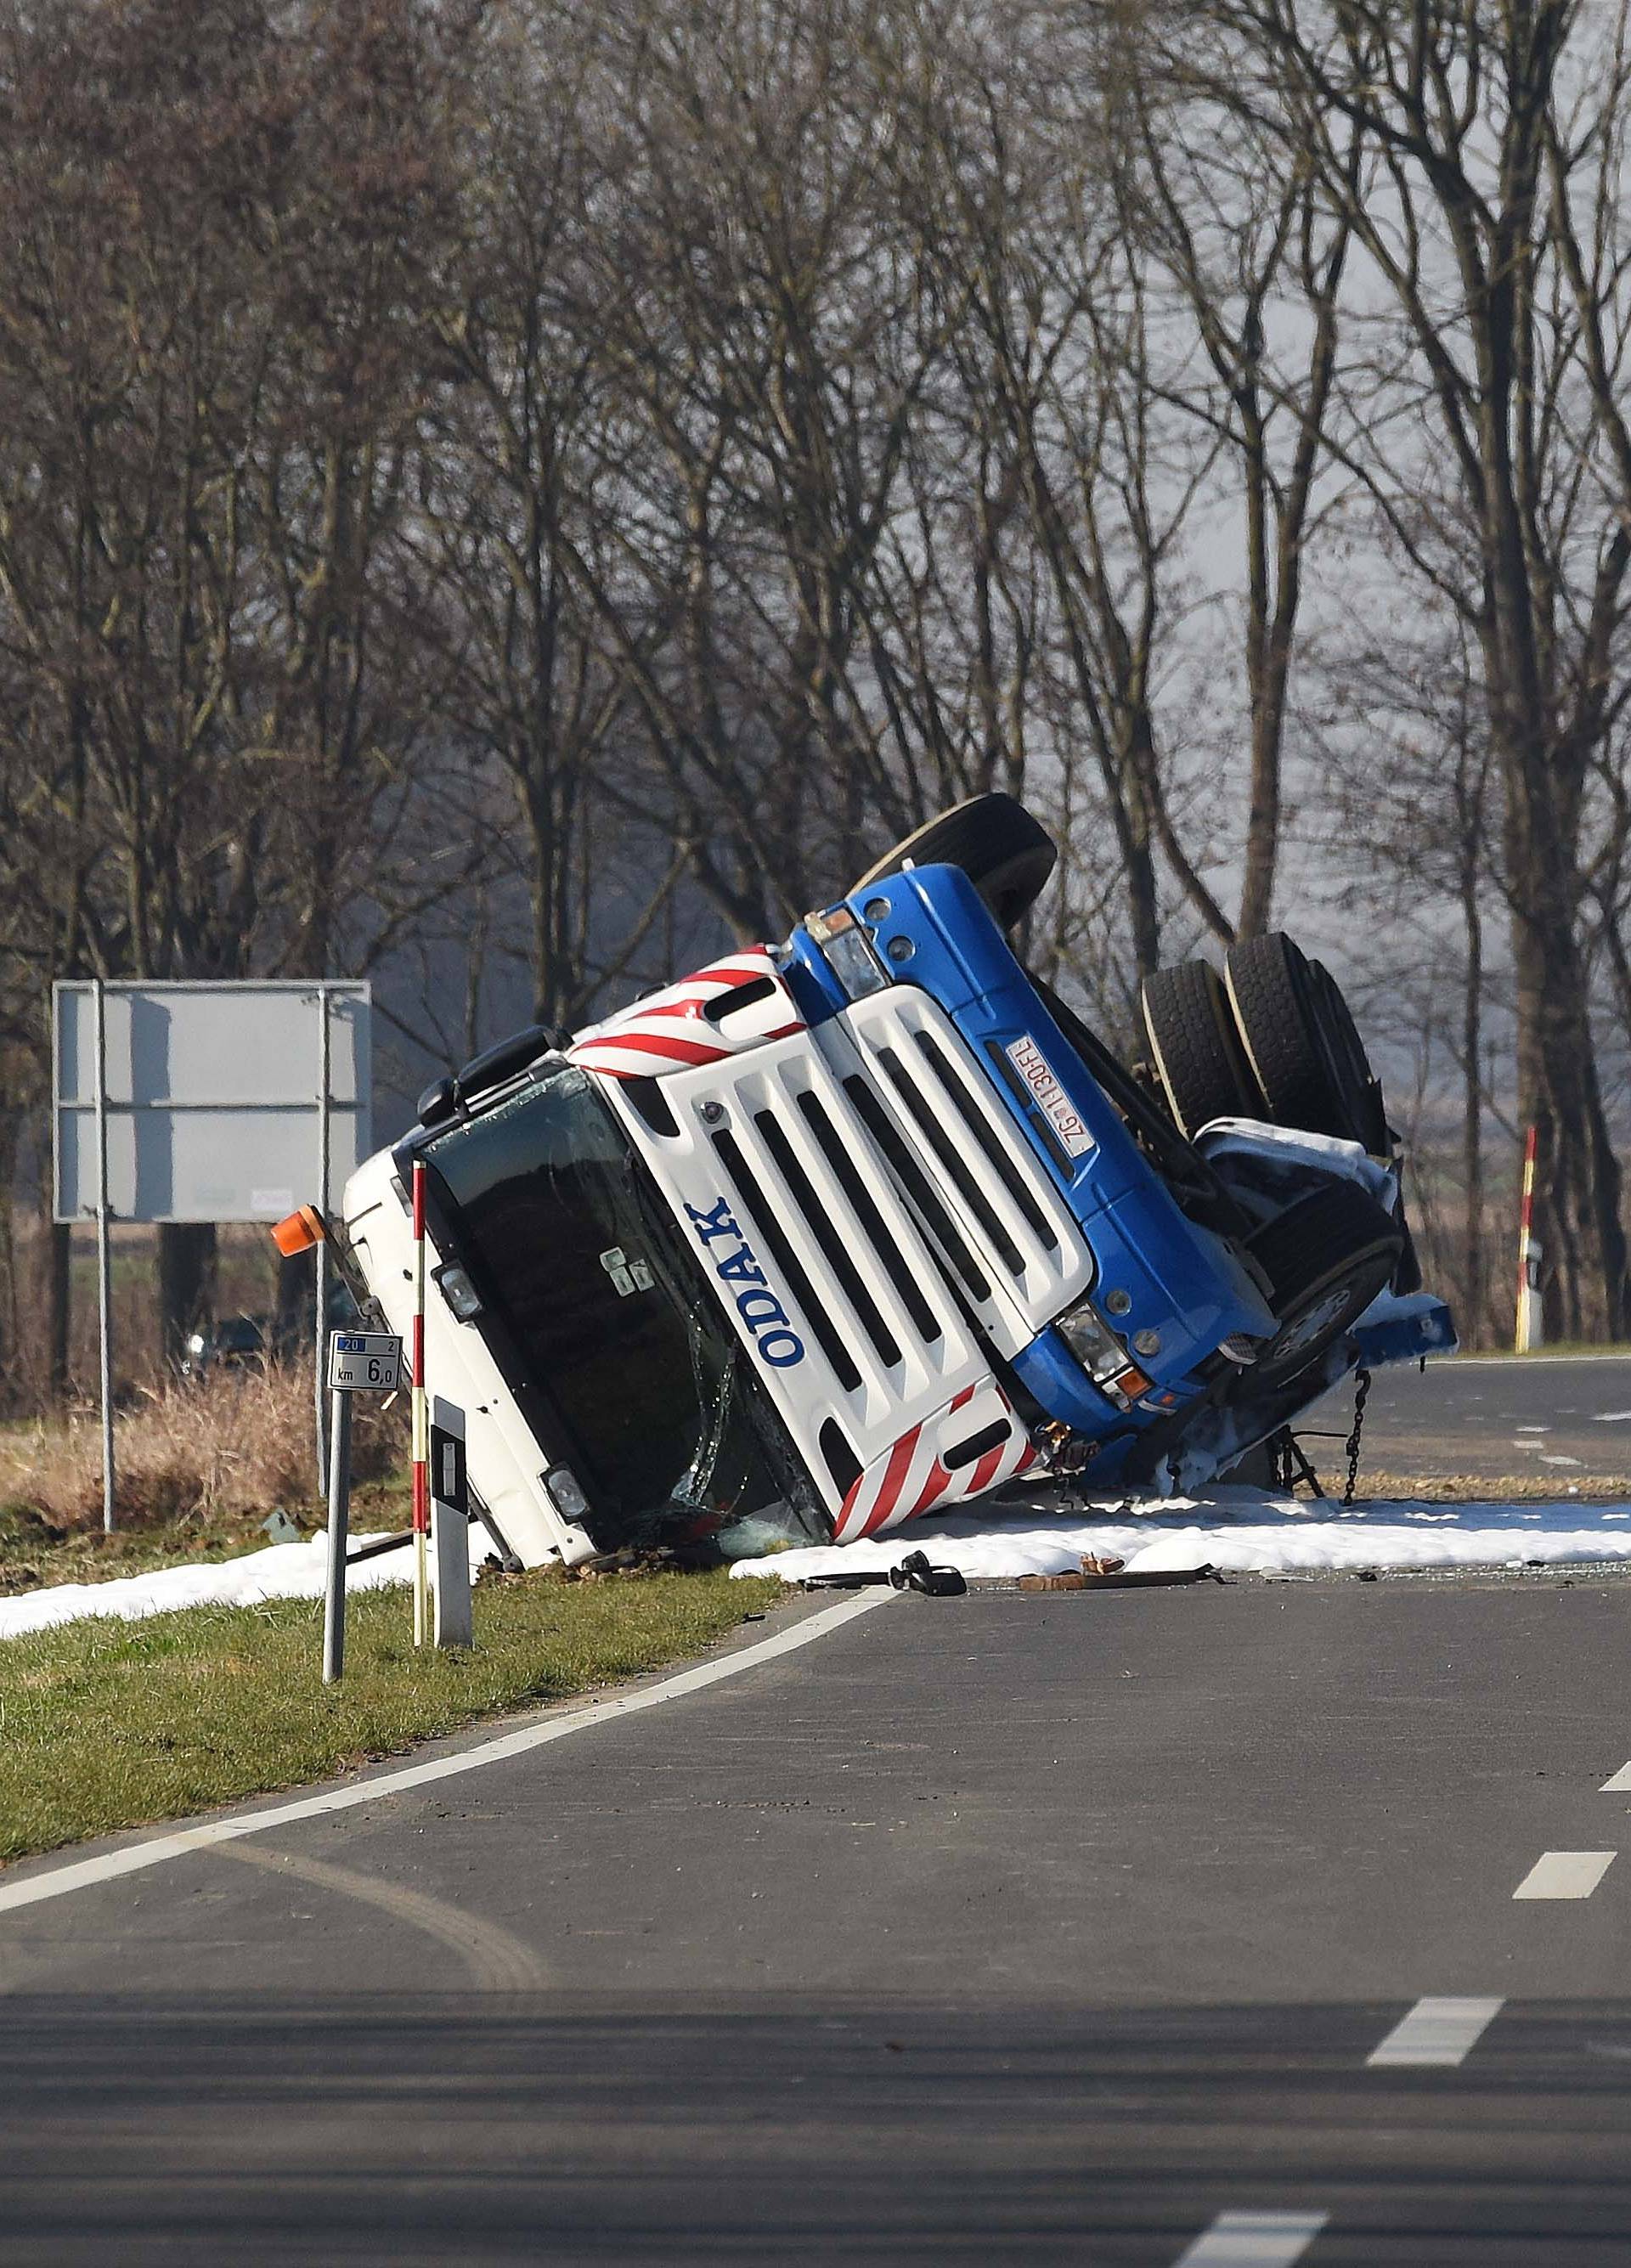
568, 1246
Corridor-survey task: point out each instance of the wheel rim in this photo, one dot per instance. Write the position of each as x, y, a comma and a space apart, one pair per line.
1308, 1329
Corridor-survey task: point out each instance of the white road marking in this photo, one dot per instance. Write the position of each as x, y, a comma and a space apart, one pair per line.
81, 1873
497, 1961
1437, 2034
1621, 1783
1253, 2240
1565, 1874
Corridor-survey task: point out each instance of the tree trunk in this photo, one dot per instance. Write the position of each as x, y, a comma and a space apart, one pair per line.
1472, 1115
58, 1306
293, 1327
187, 1260
1577, 1213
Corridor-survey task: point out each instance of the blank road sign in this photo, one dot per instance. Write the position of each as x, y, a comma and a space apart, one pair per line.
212, 1097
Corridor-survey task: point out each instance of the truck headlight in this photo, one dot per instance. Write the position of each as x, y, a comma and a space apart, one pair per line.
566, 1494
848, 952
1103, 1355
457, 1289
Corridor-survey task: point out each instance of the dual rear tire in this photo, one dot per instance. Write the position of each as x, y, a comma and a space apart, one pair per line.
1272, 1038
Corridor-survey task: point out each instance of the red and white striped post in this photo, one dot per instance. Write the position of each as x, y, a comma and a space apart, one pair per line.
421, 1424
1529, 1325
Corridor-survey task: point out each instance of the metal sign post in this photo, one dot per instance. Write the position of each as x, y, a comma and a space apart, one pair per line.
421, 1420
339, 1528
359, 1362
104, 1258
319, 1328
450, 1526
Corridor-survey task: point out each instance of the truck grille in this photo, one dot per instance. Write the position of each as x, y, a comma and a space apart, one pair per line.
825, 1214
1002, 1230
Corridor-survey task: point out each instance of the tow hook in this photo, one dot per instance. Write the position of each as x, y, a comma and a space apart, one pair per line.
1066, 1451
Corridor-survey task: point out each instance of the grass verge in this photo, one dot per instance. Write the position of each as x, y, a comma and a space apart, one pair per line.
106, 1724
1504, 1488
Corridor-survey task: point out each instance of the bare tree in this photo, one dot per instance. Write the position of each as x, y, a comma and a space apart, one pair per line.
1492, 227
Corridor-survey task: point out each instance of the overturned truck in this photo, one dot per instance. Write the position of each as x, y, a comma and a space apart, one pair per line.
833, 1232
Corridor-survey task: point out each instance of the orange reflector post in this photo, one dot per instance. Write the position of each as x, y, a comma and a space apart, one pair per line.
299, 1231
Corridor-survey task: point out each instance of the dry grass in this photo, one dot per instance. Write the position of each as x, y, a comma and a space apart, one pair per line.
228, 1448
1505, 1488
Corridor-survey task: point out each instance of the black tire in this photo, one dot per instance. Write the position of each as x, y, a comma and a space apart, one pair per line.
1326, 1257
1007, 855
1303, 1044
1352, 1064
1195, 1046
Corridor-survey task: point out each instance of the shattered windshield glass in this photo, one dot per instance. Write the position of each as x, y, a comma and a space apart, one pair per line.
566, 1241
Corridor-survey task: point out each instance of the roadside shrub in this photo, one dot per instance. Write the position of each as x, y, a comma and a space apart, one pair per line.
238, 1441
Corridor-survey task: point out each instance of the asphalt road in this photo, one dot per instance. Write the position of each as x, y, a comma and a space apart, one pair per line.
1011, 1929
1554, 1419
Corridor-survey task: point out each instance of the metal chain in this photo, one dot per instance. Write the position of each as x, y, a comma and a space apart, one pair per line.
1281, 1448
1362, 1394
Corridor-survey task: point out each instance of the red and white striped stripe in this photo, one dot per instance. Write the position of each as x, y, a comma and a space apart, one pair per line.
1528, 1327
671, 1031
909, 1478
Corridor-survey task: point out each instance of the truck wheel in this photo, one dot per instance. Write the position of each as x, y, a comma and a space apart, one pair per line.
1196, 1048
1006, 853
1326, 1257
1303, 1044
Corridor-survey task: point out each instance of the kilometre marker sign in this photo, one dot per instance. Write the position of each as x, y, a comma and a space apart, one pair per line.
365, 1362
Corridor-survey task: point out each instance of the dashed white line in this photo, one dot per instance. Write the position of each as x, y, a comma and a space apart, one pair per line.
1621, 1783
1438, 2033
1253, 2240
1565, 1875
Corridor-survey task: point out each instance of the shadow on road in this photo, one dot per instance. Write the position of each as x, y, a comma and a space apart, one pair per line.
418, 2128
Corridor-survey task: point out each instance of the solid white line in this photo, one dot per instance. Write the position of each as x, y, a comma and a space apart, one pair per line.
1621, 1783
1253, 2240
1438, 2033
1565, 1875
82, 1873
